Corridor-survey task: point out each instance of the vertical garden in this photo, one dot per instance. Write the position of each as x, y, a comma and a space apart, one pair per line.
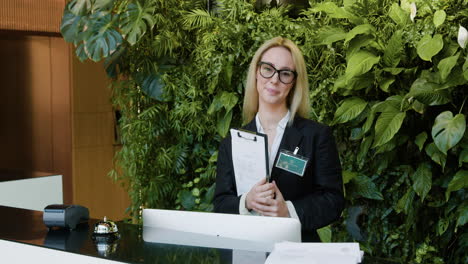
389, 76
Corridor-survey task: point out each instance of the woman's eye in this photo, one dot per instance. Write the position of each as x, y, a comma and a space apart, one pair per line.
286, 74
266, 68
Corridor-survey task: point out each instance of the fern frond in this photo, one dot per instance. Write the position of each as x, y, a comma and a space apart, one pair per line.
197, 18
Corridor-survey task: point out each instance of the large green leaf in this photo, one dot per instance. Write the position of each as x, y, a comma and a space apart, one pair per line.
448, 130
348, 176
446, 65
356, 83
216, 104
422, 180
385, 83
398, 15
79, 7
369, 121
462, 212
349, 109
357, 43
100, 5
442, 226
428, 92
420, 139
387, 126
427, 47
329, 35
459, 181
439, 17
137, 20
364, 148
418, 107
153, 86
111, 62
454, 79
366, 188
187, 199
100, 39
436, 155
224, 122
365, 29
333, 10
360, 63
325, 234
225, 99
229, 100
389, 146
71, 26
405, 204
393, 51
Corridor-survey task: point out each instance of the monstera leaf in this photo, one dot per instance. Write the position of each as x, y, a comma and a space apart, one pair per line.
448, 130
99, 39
78, 7
153, 86
71, 26
137, 20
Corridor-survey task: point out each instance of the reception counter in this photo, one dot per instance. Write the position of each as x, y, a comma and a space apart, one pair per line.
25, 239
20, 229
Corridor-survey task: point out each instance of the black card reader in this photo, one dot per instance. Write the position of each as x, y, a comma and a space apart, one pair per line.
67, 216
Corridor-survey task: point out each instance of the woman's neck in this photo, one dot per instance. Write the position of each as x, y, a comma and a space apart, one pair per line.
270, 116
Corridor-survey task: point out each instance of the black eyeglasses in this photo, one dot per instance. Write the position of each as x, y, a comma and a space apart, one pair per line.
267, 70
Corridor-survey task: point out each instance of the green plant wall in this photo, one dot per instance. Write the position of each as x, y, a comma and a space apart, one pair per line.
390, 76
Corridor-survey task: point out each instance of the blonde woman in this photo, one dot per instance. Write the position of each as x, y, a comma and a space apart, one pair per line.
276, 103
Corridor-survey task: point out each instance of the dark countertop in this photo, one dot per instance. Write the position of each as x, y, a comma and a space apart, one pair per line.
17, 174
26, 226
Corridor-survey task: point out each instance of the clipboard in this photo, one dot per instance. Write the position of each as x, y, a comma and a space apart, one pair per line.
249, 158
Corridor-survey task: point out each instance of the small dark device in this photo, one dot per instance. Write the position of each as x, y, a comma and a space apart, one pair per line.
68, 216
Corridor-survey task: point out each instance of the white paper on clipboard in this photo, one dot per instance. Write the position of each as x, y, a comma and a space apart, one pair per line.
249, 158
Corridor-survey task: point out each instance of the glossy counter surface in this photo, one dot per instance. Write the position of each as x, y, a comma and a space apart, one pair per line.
27, 227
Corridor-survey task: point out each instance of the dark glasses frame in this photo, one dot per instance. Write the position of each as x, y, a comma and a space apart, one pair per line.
260, 63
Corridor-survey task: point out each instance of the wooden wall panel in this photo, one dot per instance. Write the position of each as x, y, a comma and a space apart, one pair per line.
38, 84
61, 113
93, 188
93, 127
35, 76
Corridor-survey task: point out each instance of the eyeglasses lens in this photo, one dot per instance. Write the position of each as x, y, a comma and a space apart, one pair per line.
285, 76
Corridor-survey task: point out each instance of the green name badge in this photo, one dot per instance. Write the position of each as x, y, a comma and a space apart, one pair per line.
290, 162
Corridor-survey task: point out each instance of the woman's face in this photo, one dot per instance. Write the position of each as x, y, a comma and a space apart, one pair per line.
272, 91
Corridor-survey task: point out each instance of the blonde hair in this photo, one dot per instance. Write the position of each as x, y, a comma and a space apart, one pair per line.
298, 101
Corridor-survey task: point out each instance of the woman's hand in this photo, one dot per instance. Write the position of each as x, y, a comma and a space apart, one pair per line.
266, 198
260, 191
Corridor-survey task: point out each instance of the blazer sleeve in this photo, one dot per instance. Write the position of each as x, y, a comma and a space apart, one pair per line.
325, 201
226, 199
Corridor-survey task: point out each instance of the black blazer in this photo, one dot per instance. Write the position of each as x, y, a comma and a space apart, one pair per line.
317, 196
